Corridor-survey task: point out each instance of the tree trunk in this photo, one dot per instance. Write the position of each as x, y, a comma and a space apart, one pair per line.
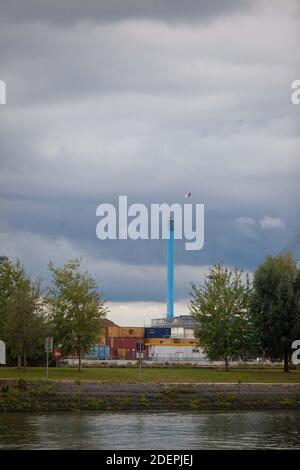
79, 360
286, 361
24, 361
19, 361
226, 364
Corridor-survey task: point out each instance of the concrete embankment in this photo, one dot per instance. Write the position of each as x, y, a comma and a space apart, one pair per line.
68, 395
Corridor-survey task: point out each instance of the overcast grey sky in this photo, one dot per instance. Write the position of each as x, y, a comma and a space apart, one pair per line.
150, 99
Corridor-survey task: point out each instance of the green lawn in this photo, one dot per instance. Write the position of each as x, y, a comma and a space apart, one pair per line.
155, 375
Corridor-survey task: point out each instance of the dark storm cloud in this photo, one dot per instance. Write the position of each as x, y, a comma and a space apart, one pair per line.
151, 106
72, 11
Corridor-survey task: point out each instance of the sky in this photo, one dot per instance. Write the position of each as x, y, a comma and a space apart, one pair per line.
149, 99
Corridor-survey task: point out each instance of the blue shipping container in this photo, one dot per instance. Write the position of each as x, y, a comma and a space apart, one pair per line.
103, 352
157, 332
100, 352
93, 353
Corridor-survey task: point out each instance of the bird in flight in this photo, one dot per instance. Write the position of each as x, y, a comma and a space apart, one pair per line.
188, 195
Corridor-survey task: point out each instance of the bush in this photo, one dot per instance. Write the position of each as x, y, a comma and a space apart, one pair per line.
5, 388
22, 384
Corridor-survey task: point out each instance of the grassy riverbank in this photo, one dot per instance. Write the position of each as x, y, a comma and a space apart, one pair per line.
31, 396
155, 375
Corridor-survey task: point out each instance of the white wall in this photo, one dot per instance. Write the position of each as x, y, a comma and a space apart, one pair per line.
176, 352
180, 332
189, 333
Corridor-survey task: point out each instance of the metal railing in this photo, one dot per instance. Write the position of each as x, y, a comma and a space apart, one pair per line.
184, 321
172, 358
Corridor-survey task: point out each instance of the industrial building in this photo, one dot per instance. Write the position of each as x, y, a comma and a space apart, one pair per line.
166, 339
124, 341
169, 341
154, 343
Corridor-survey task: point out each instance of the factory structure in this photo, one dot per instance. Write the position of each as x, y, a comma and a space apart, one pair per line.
165, 339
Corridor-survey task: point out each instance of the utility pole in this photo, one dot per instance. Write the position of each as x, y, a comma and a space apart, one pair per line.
140, 355
48, 348
47, 367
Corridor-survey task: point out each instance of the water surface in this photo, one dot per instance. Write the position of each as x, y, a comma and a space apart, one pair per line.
144, 430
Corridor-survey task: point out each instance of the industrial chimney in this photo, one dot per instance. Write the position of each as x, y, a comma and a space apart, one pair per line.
170, 274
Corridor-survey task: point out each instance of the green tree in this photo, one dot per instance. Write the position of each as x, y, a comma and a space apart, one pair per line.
275, 306
76, 308
10, 275
25, 325
220, 308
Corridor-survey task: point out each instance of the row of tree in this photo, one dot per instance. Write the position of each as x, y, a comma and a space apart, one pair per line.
71, 310
236, 318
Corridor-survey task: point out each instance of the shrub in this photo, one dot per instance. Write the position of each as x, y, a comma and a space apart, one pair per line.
22, 384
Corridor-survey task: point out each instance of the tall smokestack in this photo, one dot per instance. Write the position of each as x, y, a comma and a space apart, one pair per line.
170, 300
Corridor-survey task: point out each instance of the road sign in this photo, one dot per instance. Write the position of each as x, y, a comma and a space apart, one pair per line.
49, 345
48, 349
2, 353
56, 354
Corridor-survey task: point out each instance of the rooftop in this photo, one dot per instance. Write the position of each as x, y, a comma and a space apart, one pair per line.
185, 321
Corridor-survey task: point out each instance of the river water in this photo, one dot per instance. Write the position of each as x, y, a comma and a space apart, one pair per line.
144, 430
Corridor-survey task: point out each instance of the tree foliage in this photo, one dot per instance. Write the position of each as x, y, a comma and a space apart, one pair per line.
10, 276
76, 308
220, 308
24, 328
275, 306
